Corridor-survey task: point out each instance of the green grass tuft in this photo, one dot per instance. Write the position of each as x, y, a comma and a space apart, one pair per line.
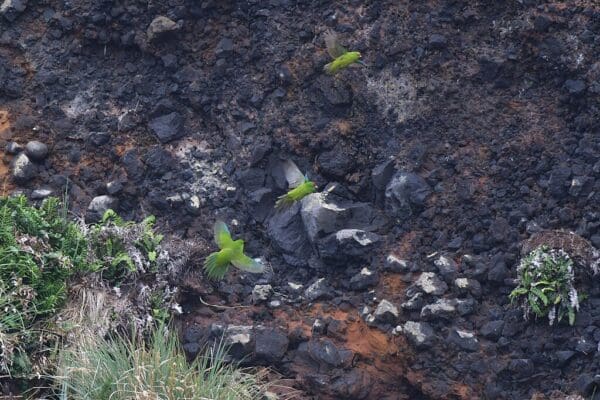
128, 367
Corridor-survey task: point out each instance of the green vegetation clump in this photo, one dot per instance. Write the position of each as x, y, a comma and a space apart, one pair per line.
42, 254
40, 250
122, 248
546, 282
129, 367
66, 288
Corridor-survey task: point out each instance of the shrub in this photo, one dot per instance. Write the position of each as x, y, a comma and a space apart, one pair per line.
128, 367
546, 285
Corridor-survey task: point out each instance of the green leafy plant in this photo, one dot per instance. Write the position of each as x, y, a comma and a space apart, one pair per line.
129, 367
546, 285
150, 240
158, 308
40, 249
123, 247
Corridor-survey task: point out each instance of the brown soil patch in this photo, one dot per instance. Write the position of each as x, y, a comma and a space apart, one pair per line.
5, 185
392, 287
406, 245
381, 356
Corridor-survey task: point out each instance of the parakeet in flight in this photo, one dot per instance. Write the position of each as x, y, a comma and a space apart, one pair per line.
299, 184
231, 251
342, 58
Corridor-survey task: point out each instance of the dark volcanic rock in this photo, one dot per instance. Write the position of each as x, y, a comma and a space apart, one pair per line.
326, 353
335, 163
335, 91
498, 272
364, 279
286, 230
324, 214
444, 309
23, 170
419, 334
405, 192
395, 264
557, 183
382, 173
355, 384
575, 86
99, 205
318, 290
167, 127
463, 339
11, 9
161, 26
447, 268
13, 148
347, 246
386, 312
437, 41
429, 283
36, 151
270, 345
239, 339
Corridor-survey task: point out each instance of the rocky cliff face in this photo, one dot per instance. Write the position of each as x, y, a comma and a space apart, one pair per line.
474, 126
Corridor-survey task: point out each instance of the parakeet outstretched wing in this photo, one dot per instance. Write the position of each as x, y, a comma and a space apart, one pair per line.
216, 266
334, 48
292, 174
222, 235
247, 264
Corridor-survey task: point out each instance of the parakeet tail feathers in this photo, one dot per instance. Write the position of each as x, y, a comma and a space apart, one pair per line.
284, 201
212, 268
328, 68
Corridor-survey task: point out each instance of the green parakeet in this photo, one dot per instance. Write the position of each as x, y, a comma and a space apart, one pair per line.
300, 185
342, 58
231, 251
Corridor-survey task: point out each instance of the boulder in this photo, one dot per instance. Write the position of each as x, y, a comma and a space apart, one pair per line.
270, 345
364, 279
261, 293
36, 151
324, 214
99, 205
429, 283
23, 170
444, 309
318, 290
419, 334
167, 127
347, 246
386, 313
463, 340
160, 27
326, 353
286, 230
405, 193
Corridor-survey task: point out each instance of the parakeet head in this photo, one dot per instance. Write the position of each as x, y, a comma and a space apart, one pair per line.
311, 185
